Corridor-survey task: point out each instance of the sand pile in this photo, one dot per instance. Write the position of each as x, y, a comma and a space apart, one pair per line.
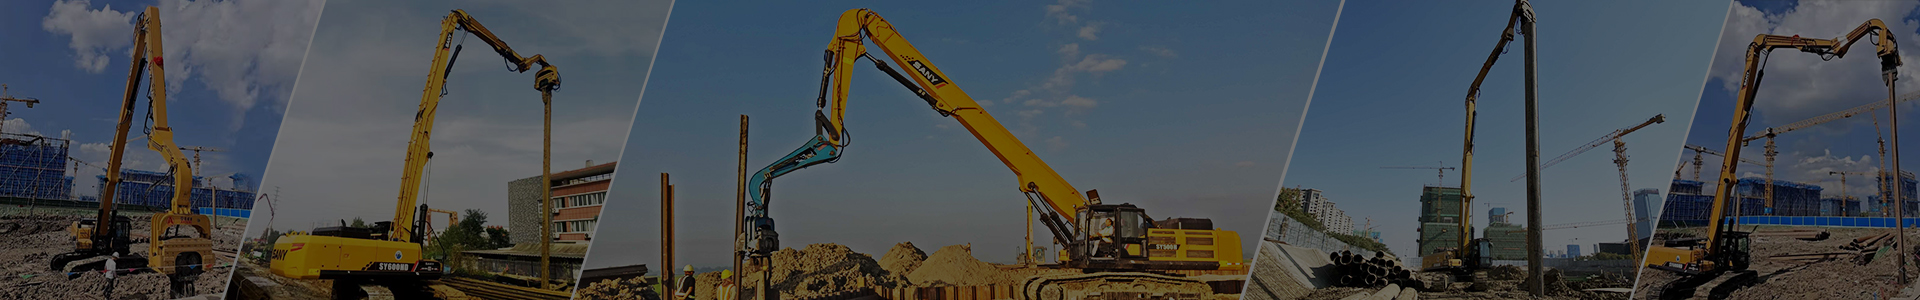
618, 289
903, 258
817, 270
955, 266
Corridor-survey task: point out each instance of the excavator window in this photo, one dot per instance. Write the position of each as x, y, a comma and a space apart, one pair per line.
1131, 224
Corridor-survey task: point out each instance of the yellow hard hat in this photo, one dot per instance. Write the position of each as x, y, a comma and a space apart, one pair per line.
725, 274
689, 268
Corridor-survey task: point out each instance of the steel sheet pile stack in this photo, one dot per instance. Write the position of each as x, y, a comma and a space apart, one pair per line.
1352, 270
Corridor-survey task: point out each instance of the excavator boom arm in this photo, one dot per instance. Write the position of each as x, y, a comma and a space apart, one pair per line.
419, 148
1757, 53
926, 81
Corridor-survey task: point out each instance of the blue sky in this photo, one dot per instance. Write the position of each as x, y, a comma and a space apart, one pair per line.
230, 66
1397, 74
360, 89
1197, 122
1800, 86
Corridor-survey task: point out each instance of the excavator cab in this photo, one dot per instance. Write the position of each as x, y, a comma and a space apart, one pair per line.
1735, 255
1113, 236
89, 244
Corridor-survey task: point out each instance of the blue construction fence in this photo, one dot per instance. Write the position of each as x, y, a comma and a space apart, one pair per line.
155, 189
227, 212
1823, 221
31, 169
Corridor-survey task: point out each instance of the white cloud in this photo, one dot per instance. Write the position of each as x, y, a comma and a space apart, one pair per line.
1058, 11
1160, 51
96, 34
18, 126
1098, 63
1070, 50
1056, 143
240, 50
1800, 85
1091, 31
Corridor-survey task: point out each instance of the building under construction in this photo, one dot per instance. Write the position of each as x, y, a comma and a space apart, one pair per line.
155, 190
1439, 216
34, 167
1687, 203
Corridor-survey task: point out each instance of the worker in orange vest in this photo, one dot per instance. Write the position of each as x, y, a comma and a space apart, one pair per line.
727, 290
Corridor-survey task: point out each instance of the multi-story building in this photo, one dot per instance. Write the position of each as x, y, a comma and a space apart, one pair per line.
577, 196
1645, 202
1317, 205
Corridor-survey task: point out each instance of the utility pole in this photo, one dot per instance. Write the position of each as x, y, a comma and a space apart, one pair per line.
666, 235
1899, 180
546, 187
739, 210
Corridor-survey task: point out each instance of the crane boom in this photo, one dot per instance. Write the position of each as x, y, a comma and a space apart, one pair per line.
1830, 117
1596, 143
419, 148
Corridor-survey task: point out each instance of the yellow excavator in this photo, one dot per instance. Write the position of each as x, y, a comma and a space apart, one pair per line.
1724, 250
1473, 254
180, 242
390, 253
1112, 243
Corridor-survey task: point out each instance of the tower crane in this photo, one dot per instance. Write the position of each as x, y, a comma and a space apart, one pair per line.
196, 155
1698, 162
1620, 161
1843, 185
1725, 249
1770, 132
5, 97
1441, 170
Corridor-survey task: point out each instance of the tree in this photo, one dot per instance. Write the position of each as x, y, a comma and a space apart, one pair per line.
357, 223
462, 236
497, 237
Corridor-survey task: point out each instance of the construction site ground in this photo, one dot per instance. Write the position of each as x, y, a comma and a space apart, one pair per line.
821, 271
255, 281
42, 233
1838, 278
1285, 272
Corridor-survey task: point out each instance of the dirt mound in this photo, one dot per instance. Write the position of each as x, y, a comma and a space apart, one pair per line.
817, 270
617, 289
955, 266
903, 258
1506, 273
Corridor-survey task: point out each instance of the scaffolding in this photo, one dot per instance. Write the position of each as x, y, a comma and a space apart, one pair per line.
155, 189
33, 166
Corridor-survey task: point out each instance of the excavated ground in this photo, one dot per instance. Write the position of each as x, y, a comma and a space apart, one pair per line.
1503, 282
31, 241
1832, 279
617, 289
823, 269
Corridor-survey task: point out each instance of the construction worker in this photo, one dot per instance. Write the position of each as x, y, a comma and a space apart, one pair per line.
727, 290
1103, 238
112, 266
685, 285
